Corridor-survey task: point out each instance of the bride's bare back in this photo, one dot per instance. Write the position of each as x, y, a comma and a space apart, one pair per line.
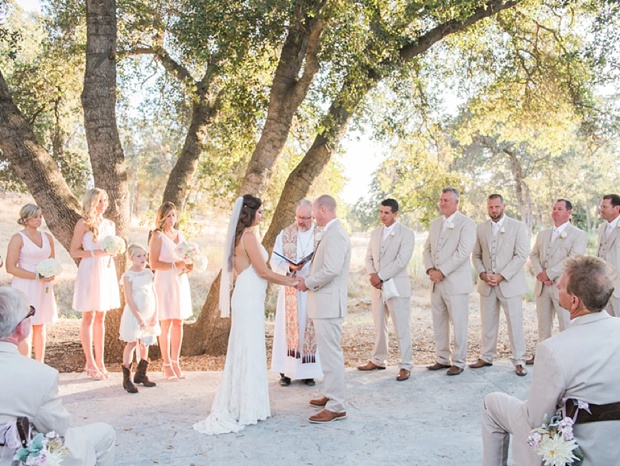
249, 252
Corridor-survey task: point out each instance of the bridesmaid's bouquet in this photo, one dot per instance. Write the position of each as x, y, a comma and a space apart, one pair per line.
48, 268
190, 253
113, 245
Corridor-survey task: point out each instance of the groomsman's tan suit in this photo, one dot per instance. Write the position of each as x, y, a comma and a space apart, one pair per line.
327, 285
389, 258
609, 250
504, 253
448, 249
550, 256
30, 388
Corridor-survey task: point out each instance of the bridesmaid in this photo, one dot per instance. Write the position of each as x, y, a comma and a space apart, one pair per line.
174, 302
26, 249
96, 285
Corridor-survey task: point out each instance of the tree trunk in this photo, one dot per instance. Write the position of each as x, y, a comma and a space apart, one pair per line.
522, 190
37, 169
288, 91
104, 145
179, 181
210, 333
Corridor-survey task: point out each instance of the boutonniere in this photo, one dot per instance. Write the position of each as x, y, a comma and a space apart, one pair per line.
392, 234
451, 226
502, 230
563, 235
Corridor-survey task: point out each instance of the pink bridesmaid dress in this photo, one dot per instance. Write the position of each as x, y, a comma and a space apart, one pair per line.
96, 285
174, 299
35, 290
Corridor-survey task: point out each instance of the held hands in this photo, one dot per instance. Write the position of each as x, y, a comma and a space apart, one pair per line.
435, 275
543, 277
375, 281
301, 285
491, 279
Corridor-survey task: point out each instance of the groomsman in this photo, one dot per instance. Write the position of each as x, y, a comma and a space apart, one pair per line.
389, 252
553, 246
446, 258
609, 245
327, 306
502, 247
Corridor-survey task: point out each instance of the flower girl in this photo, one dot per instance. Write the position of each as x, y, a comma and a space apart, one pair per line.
139, 325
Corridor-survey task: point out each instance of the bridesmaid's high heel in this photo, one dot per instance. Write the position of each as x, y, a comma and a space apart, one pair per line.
179, 373
170, 369
93, 373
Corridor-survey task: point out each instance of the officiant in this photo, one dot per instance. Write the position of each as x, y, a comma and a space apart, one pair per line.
389, 252
294, 353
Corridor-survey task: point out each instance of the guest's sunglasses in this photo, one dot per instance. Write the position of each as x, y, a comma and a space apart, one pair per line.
31, 312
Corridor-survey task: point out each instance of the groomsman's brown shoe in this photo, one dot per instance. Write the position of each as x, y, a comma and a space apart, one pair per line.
520, 370
320, 403
529, 362
454, 370
480, 363
437, 366
326, 416
371, 366
403, 375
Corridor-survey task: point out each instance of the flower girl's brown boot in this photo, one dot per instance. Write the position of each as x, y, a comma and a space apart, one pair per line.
140, 375
127, 383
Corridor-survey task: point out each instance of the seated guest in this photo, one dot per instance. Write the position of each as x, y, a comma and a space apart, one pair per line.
582, 363
29, 388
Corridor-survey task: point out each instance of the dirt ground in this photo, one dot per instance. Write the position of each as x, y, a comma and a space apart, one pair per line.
64, 351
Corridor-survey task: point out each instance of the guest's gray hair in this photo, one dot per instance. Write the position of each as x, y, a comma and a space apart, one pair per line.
454, 191
13, 309
326, 201
591, 279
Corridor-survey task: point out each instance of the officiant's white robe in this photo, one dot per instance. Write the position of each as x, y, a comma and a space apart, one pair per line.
280, 362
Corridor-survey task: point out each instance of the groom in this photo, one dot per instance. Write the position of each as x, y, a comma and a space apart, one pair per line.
327, 306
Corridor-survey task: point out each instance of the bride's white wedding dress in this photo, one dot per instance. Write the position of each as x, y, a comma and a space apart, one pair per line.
243, 395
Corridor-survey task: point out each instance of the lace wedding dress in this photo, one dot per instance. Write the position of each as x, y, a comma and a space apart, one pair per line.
243, 395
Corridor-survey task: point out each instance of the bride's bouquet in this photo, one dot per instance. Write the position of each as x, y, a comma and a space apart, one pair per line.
48, 268
190, 253
113, 245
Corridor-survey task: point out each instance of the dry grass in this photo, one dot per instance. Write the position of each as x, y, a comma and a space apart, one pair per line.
64, 350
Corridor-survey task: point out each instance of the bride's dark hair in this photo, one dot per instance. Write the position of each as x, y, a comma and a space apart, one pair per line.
248, 212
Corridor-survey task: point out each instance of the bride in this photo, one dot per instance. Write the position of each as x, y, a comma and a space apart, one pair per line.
243, 395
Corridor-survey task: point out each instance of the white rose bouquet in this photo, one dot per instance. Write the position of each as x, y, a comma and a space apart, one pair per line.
48, 268
112, 244
48, 450
190, 253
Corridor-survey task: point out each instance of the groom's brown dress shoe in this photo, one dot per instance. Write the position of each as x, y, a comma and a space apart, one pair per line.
480, 363
520, 370
320, 403
371, 366
454, 370
437, 366
326, 416
403, 375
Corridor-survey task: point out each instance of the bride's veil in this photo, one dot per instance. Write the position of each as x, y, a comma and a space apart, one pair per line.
228, 260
